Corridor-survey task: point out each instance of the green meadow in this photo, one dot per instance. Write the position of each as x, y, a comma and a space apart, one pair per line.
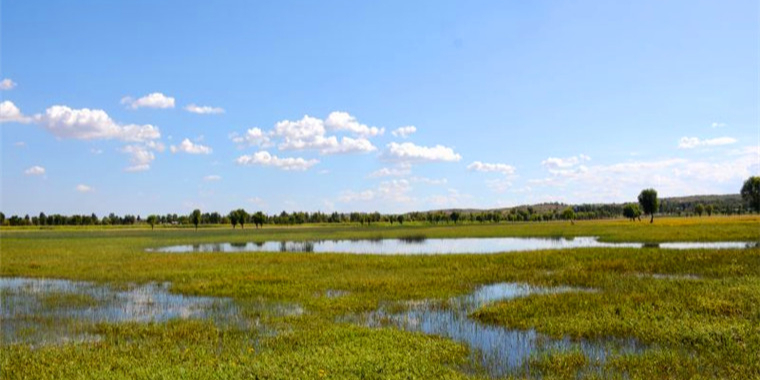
697, 311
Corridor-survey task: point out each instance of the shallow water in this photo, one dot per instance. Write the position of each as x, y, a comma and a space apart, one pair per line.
51, 311
435, 246
498, 350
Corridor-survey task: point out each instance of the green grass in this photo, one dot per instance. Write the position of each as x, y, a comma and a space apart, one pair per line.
698, 328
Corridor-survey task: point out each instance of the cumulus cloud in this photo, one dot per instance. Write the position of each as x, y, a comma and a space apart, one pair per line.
7, 84
486, 167
342, 121
695, 142
140, 157
84, 188
310, 133
153, 100
409, 152
189, 147
555, 164
395, 191
35, 170
212, 177
203, 110
719, 124
252, 137
263, 158
90, 124
9, 113
404, 132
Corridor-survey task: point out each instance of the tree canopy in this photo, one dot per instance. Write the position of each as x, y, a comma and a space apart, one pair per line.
751, 192
649, 203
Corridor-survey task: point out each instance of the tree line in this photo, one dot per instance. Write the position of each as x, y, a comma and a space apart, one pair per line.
647, 204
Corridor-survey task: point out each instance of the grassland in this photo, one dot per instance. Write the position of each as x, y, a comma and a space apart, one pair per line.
704, 325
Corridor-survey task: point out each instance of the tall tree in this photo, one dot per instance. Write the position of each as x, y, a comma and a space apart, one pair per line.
751, 192
568, 213
152, 220
699, 209
234, 218
649, 203
195, 218
455, 216
242, 217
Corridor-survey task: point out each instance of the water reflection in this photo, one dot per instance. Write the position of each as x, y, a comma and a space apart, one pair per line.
498, 350
50, 311
416, 245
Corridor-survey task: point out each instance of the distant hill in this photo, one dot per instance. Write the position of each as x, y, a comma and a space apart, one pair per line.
722, 203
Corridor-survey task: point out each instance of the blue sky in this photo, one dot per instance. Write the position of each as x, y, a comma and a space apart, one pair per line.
155, 107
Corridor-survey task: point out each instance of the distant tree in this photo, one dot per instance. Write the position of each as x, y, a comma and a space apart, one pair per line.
195, 218
400, 219
242, 217
631, 211
455, 216
568, 213
699, 209
648, 201
258, 219
233, 216
709, 209
751, 192
152, 219
2, 218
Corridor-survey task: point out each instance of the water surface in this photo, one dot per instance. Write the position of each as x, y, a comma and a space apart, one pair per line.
498, 350
423, 246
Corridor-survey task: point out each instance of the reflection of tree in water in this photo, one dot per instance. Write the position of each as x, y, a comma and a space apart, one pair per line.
304, 246
651, 245
413, 239
236, 247
259, 244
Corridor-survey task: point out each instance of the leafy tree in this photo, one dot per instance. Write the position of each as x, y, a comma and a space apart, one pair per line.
751, 192
195, 218
400, 219
631, 211
152, 220
568, 213
2, 218
648, 201
234, 219
699, 209
709, 209
259, 218
455, 216
242, 217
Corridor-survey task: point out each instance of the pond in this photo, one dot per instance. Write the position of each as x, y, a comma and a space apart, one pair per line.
499, 351
422, 246
48, 311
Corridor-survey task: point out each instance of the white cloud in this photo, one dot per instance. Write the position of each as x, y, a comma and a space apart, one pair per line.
719, 124
9, 113
212, 177
7, 84
87, 124
203, 110
141, 157
556, 164
309, 133
263, 158
35, 170
96, 151
252, 137
404, 132
189, 147
400, 171
695, 142
84, 188
499, 185
342, 121
452, 199
153, 100
19, 144
409, 152
350, 145
486, 167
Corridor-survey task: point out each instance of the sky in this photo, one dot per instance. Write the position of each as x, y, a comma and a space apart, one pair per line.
147, 107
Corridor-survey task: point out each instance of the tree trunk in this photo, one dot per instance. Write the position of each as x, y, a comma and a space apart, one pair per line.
652, 220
